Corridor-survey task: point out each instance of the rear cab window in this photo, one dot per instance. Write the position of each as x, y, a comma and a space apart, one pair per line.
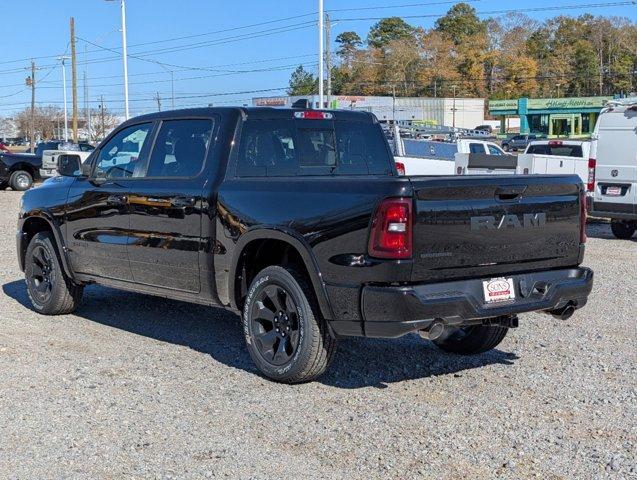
289, 147
557, 150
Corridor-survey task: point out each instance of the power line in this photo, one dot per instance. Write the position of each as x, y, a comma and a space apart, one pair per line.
382, 7
501, 12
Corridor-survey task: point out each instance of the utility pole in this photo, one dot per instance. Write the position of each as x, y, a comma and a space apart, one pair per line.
158, 100
328, 58
125, 57
393, 105
74, 78
30, 81
66, 117
87, 104
453, 108
321, 15
102, 116
172, 89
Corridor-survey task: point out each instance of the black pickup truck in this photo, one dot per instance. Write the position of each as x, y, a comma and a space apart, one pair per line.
298, 219
19, 170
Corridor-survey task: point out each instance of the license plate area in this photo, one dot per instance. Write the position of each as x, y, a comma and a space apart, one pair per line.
498, 289
613, 191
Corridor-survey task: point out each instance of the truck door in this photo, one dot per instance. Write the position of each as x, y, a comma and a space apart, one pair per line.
97, 213
166, 204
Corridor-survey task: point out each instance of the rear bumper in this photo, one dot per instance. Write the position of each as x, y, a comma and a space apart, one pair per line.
390, 311
625, 211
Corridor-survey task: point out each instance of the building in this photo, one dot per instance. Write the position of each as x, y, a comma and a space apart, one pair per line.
459, 112
554, 117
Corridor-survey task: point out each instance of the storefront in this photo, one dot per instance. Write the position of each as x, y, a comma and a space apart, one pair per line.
553, 117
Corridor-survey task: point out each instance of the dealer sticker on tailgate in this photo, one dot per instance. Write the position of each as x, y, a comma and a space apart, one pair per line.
498, 289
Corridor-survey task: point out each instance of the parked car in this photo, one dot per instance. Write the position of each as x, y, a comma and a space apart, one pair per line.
484, 128
517, 142
298, 219
19, 170
613, 166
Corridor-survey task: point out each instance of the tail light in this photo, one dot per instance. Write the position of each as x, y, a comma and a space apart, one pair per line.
391, 234
582, 217
556, 143
400, 166
592, 163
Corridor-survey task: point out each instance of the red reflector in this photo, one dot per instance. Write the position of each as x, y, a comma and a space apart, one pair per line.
582, 217
313, 115
590, 185
400, 166
391, 234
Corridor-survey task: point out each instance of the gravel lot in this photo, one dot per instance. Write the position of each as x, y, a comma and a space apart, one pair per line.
140, 387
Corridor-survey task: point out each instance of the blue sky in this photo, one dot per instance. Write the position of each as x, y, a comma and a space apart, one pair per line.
231, 61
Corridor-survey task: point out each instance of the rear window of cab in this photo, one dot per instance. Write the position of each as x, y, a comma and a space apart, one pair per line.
285, 147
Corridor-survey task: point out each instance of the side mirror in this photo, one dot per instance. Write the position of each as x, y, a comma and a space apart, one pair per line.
69, 165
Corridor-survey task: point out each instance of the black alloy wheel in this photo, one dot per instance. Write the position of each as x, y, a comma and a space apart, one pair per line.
43, 275
275, 325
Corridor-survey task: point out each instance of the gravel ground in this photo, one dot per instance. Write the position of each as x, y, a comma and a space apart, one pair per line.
140, 387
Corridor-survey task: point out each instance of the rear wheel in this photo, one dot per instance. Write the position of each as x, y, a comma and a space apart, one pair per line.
473, 339
50, 290
622, 229
21, 180
286, 336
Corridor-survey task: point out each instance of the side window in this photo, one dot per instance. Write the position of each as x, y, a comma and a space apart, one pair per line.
180, 148
493, 150
476, 148
120, 156
361, 149
268, 149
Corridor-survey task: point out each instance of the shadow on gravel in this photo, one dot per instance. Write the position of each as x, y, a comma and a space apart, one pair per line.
359, 362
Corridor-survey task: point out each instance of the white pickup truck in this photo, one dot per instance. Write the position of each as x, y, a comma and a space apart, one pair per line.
50, 160
427, 157
554, 157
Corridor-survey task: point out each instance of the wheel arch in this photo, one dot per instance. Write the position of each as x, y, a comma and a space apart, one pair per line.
33, 224
279, 242
24, 166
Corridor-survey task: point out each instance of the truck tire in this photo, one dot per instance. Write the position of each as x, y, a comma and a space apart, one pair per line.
21, 180
286, 335
472, 340
50, 290
622, 229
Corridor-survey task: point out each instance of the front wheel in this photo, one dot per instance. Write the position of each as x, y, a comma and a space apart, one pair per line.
473, 339
622, 229
286, 336
50, 290
21, 180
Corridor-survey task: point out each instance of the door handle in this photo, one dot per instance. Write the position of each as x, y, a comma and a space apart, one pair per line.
183, 202
116, 200
509, 193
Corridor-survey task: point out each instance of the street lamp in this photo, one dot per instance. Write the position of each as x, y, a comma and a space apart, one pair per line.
124, 55
66, 123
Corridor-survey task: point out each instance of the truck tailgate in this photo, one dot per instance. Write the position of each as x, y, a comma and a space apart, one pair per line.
473, 226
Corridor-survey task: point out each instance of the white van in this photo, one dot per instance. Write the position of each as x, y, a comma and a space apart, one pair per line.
614, 159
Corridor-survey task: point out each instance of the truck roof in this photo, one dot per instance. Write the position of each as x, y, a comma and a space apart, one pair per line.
257, 113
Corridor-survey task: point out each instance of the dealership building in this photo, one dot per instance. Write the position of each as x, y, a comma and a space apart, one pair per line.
461, 112
554, 117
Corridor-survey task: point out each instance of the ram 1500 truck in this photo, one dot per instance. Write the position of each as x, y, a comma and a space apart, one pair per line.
299, 220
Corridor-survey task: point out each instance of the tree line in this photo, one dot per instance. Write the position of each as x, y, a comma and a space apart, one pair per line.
504, 57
